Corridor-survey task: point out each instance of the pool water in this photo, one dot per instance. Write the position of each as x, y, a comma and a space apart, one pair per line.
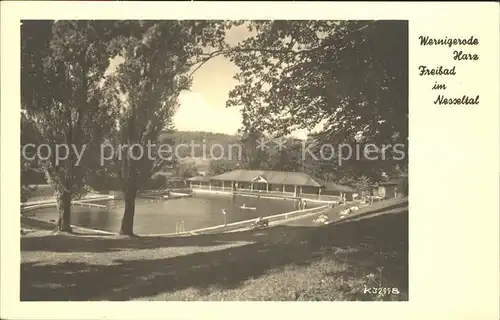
161, 217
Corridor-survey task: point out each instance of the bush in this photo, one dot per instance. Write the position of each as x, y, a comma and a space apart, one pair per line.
156, 182
26, 193
32, 177
403, 186
104, 183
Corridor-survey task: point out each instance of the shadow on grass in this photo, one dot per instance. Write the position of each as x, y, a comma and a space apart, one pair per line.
36, 224
111, 243
368, 244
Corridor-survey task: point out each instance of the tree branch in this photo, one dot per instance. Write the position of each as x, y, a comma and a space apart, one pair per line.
216, 53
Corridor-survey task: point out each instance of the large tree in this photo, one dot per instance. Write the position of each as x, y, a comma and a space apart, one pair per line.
62, 68
352, 76
220, 166
286, 155
157, 61
254, 149
29, 165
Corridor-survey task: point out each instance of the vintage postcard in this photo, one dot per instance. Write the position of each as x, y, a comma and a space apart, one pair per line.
260, 152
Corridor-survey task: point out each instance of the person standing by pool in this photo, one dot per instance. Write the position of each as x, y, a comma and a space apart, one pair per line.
224, 212
304, 205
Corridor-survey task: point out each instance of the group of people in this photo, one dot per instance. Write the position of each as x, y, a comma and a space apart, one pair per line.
302, 204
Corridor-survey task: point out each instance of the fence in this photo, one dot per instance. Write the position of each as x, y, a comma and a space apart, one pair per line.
246, 223
53, 203
139, 200
180, 190
271, 193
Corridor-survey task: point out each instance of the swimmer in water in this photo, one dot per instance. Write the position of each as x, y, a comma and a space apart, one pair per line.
244, 206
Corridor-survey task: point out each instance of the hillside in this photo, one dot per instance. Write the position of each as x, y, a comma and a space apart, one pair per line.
200, 146
200, 142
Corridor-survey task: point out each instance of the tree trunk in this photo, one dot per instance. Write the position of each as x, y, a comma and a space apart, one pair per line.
64, 209
127, 227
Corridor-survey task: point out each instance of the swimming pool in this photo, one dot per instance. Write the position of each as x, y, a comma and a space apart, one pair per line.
161, 217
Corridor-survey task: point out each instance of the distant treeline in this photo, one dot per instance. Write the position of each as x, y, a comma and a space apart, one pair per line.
202, 141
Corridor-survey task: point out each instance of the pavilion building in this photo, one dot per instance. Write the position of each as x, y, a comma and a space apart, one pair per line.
296, 184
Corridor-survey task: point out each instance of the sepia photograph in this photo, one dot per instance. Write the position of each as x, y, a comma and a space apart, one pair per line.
199, 159
214, 160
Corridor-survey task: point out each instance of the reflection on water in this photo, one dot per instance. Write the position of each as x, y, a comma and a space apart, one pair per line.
161, 217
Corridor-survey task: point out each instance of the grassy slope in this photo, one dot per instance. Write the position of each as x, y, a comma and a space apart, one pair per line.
286, 262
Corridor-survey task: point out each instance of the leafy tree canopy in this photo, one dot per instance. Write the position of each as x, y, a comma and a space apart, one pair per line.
349, 75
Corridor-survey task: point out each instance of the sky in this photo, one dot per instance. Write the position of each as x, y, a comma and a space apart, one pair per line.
203, 108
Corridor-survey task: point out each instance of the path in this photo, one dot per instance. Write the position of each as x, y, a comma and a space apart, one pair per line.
335, 217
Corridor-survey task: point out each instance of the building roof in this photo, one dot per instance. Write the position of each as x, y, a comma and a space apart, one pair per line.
271, 177
199, 179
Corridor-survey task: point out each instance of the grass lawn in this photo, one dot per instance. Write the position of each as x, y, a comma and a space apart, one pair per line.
284, 262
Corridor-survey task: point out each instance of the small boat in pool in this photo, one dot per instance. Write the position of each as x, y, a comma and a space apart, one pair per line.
244, 207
